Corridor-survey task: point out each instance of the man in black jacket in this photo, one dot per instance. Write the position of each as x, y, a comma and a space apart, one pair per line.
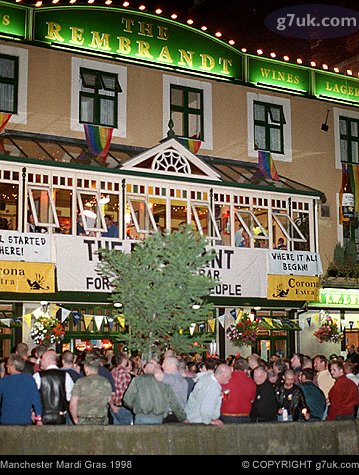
264, 408
55, 388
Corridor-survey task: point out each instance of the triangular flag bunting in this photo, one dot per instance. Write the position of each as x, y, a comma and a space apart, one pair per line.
87, 320
221, 319
233, 314
64, 314
53, 309
98, 321
211, 324
309, 320
110, 321
192, 328
27, 319
121, 321
38, 312
77, 317
5, 321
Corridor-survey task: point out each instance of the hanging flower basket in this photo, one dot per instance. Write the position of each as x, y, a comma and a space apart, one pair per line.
328, 331
47, 331
244, 332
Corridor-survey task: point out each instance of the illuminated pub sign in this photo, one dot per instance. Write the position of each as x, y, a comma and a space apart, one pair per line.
339, 297
333, 86
13, 20
139, 37
278, 75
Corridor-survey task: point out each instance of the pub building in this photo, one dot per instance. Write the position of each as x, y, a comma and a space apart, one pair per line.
113, 111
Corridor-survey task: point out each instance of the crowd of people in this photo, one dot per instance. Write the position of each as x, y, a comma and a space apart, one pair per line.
100, 388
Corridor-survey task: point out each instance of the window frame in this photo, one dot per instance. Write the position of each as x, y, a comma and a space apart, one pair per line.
238, 213
97, 196
97, 96
12, 81
269, 124
141, 199
187, 111
214, 226
30, 189
349, 139
284, 231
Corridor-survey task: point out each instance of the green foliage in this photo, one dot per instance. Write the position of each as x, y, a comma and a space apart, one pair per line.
157, 283
344, 263
339, 254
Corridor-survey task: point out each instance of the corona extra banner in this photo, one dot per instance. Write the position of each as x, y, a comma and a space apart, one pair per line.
293, 287
27, 277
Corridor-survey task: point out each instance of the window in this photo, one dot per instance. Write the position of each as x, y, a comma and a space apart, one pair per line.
43, 207
203, 220
289, 229
268, 127
9, 67
90, 216
187, 111
142, 218
188, 102
252, 226
98, 98
349, 139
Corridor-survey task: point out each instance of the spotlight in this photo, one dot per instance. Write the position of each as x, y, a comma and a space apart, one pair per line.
325, 126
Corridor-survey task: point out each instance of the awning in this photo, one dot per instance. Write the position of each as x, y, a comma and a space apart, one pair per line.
279, 324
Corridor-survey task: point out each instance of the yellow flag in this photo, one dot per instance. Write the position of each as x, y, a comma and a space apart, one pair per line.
212, 324
87, 320
53, 309
121, 321
27, 319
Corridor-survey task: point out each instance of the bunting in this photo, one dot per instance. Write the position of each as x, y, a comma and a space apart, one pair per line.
87, 320
98, 140
192, 328
98, 321
266, 165
212, 324
309, 320
27, 319
4, 119
110, 321
193, 144
64, 314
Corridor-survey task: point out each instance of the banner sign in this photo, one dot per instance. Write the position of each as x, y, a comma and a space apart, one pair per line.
13, 20
232, 266
83, 251
292, 287
295, 262
27, 277
337, 87
29, 247
339, 297
136, 36
279, 75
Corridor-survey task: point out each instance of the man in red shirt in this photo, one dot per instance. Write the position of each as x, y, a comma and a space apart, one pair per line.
121, 414
238, 394
343, 397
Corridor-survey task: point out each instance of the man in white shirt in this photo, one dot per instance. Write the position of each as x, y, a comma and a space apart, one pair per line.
204, 403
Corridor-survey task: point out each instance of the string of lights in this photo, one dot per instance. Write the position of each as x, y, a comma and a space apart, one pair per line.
189, 21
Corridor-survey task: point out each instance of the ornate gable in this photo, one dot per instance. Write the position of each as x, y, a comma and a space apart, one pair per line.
171, 158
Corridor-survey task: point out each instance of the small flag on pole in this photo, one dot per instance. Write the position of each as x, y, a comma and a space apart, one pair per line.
266, 165
98, 140
193, 145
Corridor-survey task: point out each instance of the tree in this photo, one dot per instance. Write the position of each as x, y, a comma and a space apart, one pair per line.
158, 284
